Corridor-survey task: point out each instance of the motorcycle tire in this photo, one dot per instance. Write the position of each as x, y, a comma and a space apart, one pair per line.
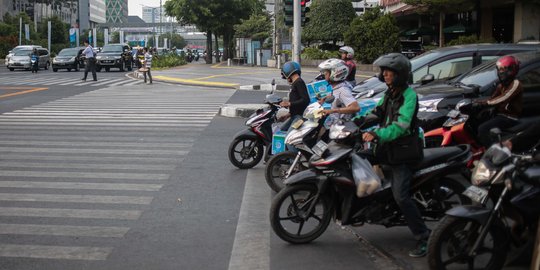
254, 155
295, 214
453, 238
277, 167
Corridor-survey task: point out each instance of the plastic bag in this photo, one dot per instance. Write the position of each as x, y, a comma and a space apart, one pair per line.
366, 179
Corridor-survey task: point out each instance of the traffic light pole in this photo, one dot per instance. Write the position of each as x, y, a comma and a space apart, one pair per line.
297, 30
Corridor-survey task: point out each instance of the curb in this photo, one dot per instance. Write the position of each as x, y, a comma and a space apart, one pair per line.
265, 87
239, 110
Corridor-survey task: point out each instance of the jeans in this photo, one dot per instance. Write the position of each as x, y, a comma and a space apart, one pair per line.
401, 182
498, 121
149, 75
90, 66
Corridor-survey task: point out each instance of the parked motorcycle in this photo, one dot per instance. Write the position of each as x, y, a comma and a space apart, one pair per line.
302, 210
249, 145
506, 191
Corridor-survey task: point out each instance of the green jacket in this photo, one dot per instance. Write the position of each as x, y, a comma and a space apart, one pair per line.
396, 115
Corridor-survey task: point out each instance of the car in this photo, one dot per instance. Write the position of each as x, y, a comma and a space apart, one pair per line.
115, 56
21, 59
68, 58
436, 100
411, 48
446, 63
20, 47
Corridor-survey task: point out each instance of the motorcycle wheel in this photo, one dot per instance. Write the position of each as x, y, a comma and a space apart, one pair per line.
245, 152
277, 168
450, 243
289, 217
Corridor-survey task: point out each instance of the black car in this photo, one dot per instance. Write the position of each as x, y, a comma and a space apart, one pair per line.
115, 56
69, 58
437, 99
448, 62
411, 48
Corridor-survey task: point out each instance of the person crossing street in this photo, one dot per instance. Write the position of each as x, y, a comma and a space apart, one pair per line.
90, 61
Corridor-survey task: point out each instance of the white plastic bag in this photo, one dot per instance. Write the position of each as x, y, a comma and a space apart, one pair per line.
367, 181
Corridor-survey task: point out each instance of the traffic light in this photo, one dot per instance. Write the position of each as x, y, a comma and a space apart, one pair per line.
304, 11
288, 11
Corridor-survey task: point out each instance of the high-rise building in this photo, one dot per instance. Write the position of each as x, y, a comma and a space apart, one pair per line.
117, 11
148, 12
91, 13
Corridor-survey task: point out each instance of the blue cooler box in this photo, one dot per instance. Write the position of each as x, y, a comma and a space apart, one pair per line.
320, 88
278, 142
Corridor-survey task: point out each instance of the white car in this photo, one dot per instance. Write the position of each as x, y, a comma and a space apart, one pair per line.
18, 48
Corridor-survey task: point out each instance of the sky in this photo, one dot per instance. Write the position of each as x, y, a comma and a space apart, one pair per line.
135, 8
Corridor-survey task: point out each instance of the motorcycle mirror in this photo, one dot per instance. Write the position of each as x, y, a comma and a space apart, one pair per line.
495, 134
273, 86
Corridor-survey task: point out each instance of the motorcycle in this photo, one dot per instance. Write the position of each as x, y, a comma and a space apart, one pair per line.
34, 63
506, 193
302, 210
249, 145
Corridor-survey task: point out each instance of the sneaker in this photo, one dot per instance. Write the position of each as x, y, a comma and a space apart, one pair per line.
420, 250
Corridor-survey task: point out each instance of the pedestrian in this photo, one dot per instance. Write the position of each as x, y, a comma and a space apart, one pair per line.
147, 64
90, 61
396, 114
344, 105
347, 55
298, 95
507, 99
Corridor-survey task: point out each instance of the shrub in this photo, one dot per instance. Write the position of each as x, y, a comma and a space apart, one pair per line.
168, 60
314, 53
469, 40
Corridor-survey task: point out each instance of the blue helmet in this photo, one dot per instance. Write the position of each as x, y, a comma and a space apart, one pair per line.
289, 69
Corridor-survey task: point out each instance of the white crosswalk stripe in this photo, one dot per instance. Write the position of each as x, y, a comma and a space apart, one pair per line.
83, 169
63, 81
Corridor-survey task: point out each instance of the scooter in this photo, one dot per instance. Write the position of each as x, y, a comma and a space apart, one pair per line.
302, 210
249, 145
503, 219
34, 64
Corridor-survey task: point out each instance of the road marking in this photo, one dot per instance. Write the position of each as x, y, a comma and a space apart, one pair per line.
55, 252
63, 230
23, 92
230, 74
251, 248
69, 213
108, 81
219, 84
47, 157
26, 197
93, 151
77, 185
142, 144
85, 175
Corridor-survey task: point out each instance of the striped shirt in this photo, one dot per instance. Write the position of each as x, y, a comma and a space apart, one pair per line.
148, 60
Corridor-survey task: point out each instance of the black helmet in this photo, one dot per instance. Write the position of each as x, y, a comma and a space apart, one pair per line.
398, 63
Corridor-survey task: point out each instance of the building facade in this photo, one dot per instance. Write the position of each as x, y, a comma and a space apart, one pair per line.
152, 14
92, 13
360, 6
117, 11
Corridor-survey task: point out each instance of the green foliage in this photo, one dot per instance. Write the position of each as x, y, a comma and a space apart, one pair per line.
328, 20
314, 53
472, 39
114, 37
59, 30
257, 27
177, 40
372, 35
168, 60
437, 6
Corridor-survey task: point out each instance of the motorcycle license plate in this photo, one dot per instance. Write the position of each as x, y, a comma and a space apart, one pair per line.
453, 114
319, 148
297, 123
475, 193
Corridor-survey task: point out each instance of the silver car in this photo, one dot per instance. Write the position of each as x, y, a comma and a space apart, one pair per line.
21, 59
19, 48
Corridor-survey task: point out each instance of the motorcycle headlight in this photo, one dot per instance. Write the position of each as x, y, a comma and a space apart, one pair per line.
454, 122
482, 173
337, 132
429, 105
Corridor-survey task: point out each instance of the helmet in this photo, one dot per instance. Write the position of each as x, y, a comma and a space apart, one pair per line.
289, 68
398, 63
338, 69
348, 50
507, 69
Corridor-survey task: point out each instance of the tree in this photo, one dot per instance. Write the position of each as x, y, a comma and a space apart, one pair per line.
59, 30
175, 39
328, 20
372, 35
257, 27
441, 7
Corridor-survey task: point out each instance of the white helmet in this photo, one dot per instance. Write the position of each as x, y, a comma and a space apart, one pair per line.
348, 50
338, 69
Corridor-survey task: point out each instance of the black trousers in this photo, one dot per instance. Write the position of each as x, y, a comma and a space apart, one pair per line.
498, 121
149, 75
90, 66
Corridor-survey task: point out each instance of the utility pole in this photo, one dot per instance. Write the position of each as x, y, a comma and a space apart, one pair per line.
296, 31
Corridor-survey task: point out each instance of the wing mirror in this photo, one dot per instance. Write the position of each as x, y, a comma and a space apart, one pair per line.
427, 79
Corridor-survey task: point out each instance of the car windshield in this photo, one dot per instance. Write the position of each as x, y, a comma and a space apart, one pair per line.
23, 53
68, 52
423, 59
112, 48
481, 75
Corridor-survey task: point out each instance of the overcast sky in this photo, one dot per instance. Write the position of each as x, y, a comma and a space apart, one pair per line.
135, 8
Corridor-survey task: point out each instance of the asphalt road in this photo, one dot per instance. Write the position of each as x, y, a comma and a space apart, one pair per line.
130, 176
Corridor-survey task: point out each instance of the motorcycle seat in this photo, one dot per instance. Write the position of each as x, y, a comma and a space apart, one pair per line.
439, 155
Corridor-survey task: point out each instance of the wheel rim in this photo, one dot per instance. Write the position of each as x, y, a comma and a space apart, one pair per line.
295, 217
281, 167
456, 245
245, 151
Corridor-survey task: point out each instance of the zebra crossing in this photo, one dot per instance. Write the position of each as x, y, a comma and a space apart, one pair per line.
68, 81
77, 173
